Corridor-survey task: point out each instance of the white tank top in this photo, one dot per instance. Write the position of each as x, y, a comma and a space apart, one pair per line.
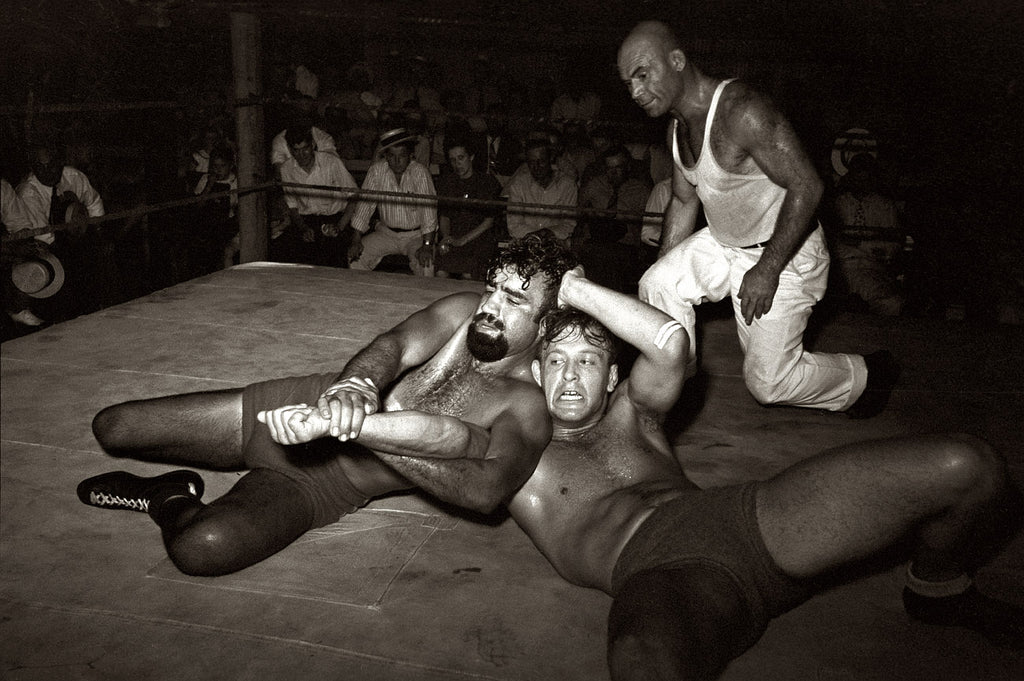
741, 209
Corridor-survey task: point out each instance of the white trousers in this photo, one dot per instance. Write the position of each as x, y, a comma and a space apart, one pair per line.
384, 241
776, 369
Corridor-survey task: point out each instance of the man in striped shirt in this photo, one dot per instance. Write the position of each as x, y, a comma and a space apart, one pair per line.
404, 225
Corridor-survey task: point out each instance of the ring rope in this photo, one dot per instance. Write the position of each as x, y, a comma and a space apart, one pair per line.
356, 194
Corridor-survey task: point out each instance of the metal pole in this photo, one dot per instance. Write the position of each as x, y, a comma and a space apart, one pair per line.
246, 57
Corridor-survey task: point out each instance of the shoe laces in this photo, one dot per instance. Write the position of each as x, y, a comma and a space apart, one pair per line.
104, 499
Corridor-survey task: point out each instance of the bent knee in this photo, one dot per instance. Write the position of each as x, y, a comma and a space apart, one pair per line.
766, 391
970, 463
110, 428
206, 550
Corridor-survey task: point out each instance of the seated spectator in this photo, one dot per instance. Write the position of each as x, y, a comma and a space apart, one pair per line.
216, 244
650, 233
279, 148
601, 140
357, 105
405, 226
318, 218
657, 202
468, 239
541, 184
575, 106
410, 120
609, 244
869, 238
615, 189
199, 158
56, 194
503, 151
578, 152
14, 218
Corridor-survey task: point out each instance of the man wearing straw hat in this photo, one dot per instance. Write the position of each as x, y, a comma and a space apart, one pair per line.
404, 225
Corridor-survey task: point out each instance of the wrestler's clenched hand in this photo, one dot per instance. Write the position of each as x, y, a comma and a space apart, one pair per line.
294, 424
346, 404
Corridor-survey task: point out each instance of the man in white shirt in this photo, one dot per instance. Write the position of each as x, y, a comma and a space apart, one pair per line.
13, 219
542, 185
57, 194
279, 152
52, 187
317, 216
404, 226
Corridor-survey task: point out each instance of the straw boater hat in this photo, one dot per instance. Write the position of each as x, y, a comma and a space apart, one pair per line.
397, 136
39, 276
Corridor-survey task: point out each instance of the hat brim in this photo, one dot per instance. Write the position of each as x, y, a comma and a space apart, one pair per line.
387, 142
56, 282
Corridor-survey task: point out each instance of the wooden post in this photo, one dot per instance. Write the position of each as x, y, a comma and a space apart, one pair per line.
247, 60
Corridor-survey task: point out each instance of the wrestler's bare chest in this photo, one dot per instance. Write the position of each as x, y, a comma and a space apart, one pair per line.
450, 383
453, 388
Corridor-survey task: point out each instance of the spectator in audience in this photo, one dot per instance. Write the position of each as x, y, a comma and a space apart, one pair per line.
14, 219
199, 156
357, 105
304, 81
503, 152
575, 106
608, 244
404, 225
279, 147
57, 194
216, 244
468, 239
601, 140
319, 218
577, 149
868, 240
657, 202
615, 189
541, 185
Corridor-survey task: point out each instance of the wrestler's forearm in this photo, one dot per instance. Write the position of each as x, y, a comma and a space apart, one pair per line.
632, 320
418, 434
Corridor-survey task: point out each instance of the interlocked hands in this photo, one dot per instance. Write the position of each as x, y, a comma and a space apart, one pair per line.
339, 412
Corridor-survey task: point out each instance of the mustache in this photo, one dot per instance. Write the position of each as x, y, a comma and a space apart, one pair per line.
490, 319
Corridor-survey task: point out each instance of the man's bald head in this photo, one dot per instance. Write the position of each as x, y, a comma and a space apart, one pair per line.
656, 34
652, 65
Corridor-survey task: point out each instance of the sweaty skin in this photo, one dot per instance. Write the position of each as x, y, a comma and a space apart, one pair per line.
468, 466
609, 463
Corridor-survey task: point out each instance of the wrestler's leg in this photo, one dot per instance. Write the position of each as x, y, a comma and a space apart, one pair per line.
199, 429
950, 494
852, 501
263, 513
681, 623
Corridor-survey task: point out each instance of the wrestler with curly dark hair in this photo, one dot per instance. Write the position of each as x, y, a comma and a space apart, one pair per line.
444, 401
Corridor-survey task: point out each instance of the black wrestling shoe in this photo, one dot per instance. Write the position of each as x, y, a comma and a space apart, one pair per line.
1000, 622
121, 490
883, 372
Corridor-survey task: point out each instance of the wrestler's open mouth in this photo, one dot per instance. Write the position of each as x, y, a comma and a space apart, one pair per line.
571, 396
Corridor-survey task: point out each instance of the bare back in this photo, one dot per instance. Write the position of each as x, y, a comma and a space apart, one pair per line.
588, 494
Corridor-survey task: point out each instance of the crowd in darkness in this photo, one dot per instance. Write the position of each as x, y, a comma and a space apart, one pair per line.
612, 171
